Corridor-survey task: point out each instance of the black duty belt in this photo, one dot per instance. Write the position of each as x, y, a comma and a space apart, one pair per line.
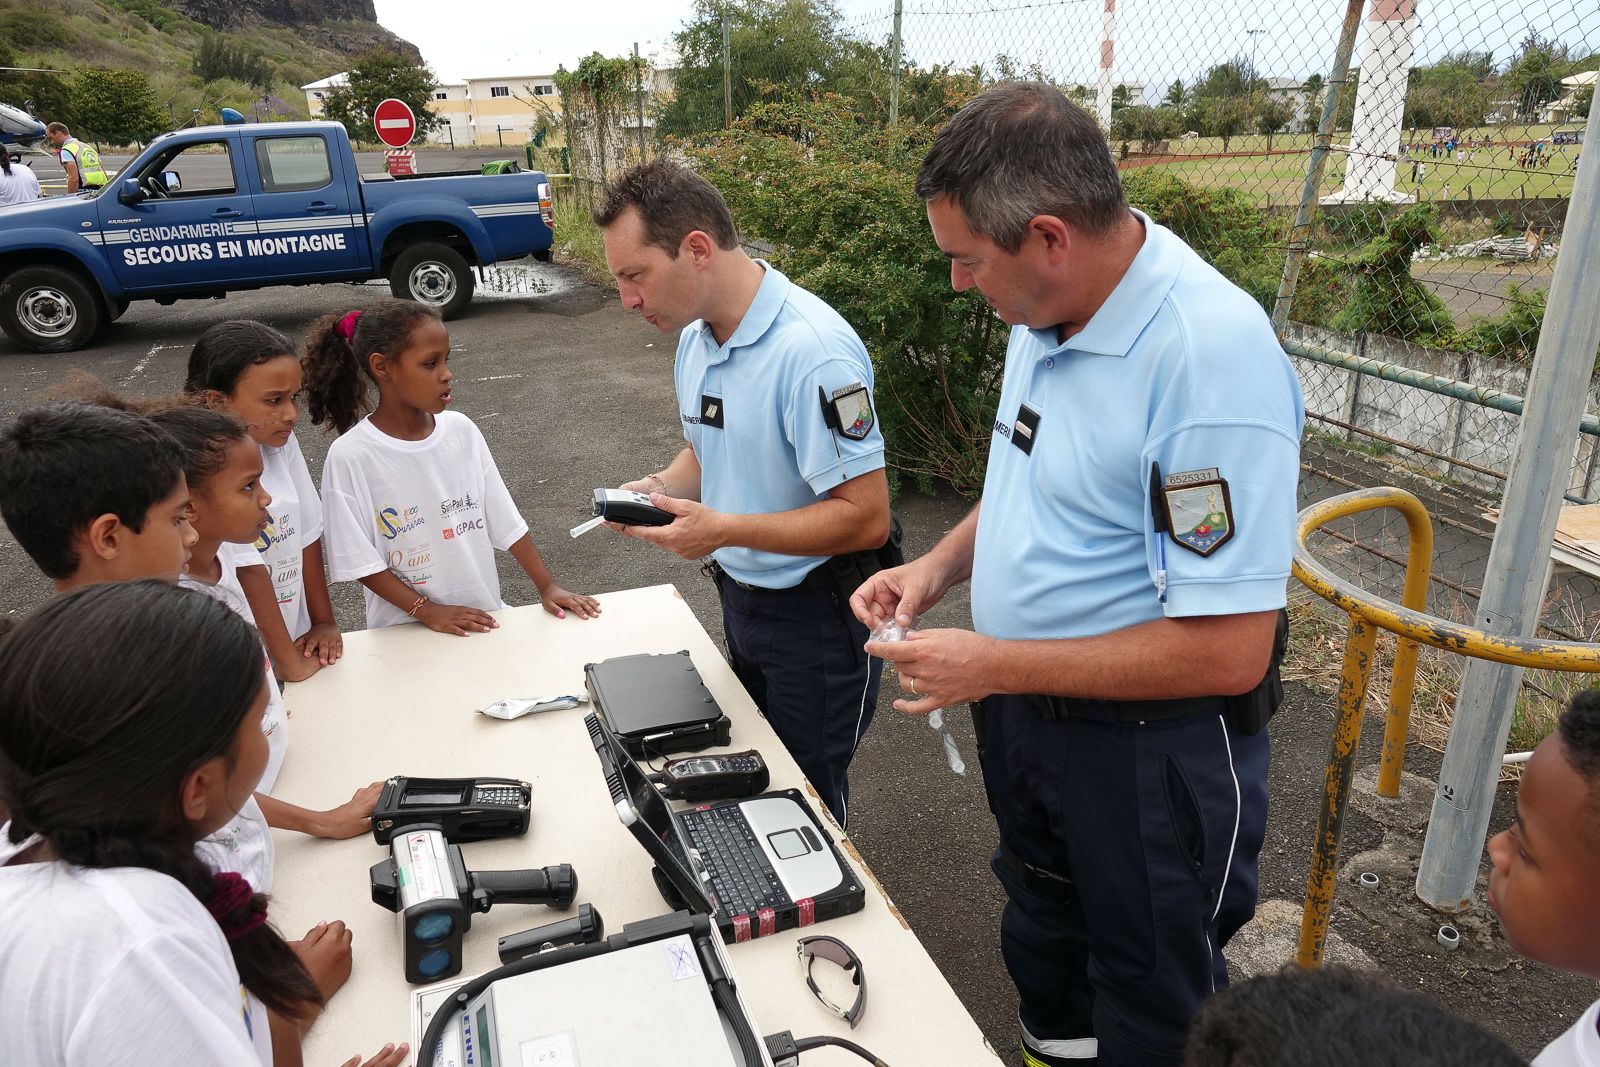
816, 578
1057, 707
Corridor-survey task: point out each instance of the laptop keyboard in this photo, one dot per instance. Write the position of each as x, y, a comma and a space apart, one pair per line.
745, 882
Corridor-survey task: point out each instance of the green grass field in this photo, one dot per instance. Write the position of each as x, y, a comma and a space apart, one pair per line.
1277, 179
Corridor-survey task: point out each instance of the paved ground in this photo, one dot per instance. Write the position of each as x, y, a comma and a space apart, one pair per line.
573, 393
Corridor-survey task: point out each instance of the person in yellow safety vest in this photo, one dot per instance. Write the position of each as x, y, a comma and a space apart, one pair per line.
79, 160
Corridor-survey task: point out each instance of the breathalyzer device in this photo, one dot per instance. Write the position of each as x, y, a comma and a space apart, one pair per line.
427, 882
625, 508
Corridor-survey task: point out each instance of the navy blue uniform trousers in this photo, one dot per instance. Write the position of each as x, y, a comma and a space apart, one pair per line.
1158, 827
798, 653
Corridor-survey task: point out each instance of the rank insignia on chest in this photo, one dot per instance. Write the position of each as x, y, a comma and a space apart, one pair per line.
1199, 513
711, 410
848, 410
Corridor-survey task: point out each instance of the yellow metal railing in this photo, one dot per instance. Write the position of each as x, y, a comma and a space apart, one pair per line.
1413, 627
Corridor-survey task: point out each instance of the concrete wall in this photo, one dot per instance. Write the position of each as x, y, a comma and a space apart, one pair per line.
1458, 429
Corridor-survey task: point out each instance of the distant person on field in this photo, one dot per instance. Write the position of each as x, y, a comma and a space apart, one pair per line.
1546, 865
80, 161
18, 183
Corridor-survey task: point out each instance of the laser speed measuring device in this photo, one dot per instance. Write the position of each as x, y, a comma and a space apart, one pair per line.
427, 882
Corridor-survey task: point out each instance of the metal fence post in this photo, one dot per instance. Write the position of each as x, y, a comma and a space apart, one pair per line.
638, 70
1519, 558
894, 69
727, 75
1338, 78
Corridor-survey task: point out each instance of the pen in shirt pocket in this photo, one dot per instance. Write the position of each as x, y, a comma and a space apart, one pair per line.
1158, 523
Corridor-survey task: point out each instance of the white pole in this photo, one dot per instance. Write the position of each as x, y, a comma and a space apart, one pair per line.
1108, 42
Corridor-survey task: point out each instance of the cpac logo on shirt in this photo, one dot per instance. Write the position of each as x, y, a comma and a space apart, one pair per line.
391, 523
451, 533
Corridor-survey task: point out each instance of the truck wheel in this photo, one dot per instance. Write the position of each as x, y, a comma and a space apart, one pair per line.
432, 274
48, 309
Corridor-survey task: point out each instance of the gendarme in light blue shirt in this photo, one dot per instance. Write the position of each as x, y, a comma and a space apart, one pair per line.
774, 450
1180, 368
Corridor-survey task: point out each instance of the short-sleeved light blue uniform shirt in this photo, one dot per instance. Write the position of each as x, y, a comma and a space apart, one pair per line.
1179, 368
774, 450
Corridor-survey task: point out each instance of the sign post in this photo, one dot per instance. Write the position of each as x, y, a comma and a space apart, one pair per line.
396, 125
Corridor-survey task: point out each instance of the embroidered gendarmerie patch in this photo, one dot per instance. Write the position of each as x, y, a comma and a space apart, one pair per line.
711, 411
1199, 513
849, 411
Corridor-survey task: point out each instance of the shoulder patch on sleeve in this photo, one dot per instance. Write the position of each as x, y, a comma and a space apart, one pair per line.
849, 410
1199, 512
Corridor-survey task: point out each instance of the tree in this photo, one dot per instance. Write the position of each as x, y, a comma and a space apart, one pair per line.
378, 75
1534, 78
1451, 92
1147, 125
116, 106
44, 95
1272, 115
593, 99
1120, 98
1233, 78
1175, 95
775, 45
219, 58
1225, 117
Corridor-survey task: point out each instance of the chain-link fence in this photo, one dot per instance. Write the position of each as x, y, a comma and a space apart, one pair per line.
1390, 179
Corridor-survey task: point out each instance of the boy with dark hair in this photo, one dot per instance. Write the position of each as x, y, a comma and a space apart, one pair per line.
94, 494
1546, 865
1333, 1017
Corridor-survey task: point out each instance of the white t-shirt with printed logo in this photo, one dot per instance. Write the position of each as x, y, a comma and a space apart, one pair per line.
296, 522
118, 967
1578, 1047
275, 720
432, 511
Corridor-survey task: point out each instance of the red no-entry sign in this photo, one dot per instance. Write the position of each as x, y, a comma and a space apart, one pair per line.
395, 123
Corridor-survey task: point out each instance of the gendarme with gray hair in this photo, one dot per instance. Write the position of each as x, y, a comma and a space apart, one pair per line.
1020, 150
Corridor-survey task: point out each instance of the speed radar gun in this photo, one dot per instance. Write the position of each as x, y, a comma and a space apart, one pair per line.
427, 882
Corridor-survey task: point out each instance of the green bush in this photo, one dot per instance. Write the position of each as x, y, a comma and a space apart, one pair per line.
1384, 297
1223, 225
1355, 224
1514, 333
833, 195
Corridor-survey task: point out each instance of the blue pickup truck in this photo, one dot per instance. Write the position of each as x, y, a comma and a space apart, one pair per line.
208, 211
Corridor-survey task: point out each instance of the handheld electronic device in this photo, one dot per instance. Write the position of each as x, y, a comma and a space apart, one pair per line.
427, 882
625, 508
721, 776
464, 809
657, 704
757, 866
584, 928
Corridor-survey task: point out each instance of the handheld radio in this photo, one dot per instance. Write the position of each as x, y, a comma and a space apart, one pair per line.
722, 776
427, 882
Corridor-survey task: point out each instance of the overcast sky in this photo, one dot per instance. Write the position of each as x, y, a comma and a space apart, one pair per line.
1157, 39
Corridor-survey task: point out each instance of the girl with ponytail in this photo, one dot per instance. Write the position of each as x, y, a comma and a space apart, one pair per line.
130, 727
414, 503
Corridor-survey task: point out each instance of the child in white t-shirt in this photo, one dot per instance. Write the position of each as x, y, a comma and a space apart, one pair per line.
415, 504
132, 729
229, 505
1546, 867
250, 370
